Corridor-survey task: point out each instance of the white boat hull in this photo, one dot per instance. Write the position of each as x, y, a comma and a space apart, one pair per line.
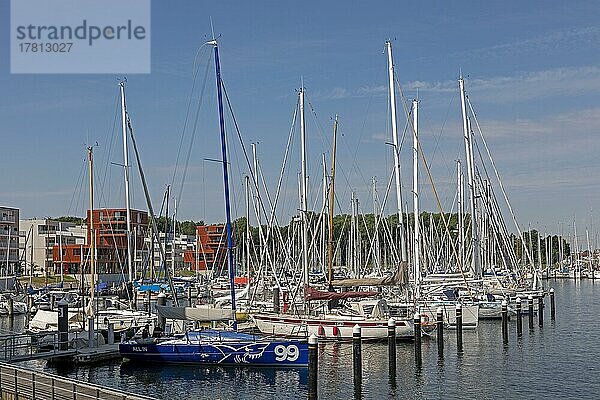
470, 313
329, 328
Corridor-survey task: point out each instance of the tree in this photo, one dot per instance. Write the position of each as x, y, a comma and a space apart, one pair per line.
71, 219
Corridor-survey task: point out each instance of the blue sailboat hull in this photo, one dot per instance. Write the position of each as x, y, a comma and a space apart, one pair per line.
218, 349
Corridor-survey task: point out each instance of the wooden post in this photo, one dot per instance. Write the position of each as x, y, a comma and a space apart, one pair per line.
63, 325
417, 330
91, 332
11, 307
519, 318
313, 367
357, 359
504, 322
459, 342
276, 299
552, 305
541, 311
161, 300
440, 330
392, 346
111, 333
530, 311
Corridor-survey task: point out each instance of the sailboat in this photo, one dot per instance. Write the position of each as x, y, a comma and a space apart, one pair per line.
372, 315
210, 346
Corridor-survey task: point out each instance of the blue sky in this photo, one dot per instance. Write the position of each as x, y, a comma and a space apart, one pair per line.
532, 71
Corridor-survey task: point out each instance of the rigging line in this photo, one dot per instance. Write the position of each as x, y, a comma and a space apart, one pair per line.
193, 136
437, 199
239, 134
77, 183
284, 162
354, 154
233, 188
498, 177
150, 209
254, 179
439, 136
354, 164
326, 141
195, 70
109, 151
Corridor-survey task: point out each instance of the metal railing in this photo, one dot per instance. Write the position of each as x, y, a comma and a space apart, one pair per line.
21, 383
24, 346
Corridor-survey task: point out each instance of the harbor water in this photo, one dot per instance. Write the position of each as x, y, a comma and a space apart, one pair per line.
559, 360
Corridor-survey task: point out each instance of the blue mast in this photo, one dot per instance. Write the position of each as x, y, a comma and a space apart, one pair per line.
226, 182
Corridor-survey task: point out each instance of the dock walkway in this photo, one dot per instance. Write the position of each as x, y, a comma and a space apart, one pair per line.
28, 384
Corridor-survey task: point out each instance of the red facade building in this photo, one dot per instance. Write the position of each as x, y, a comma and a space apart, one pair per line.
110, 233
211, 248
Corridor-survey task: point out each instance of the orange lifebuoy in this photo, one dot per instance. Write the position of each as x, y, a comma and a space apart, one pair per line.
321, 331
336, 331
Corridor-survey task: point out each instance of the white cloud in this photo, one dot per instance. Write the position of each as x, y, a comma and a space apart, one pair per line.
522, 86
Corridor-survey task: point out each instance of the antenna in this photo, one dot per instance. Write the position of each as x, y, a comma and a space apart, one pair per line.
212, 29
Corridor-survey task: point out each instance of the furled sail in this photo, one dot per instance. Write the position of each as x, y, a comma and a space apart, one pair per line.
314, 294
400, 277
195, 313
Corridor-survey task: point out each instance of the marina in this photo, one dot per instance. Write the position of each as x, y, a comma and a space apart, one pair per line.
292, 218
485, 367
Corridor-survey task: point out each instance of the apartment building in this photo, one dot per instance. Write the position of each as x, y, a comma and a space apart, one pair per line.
210, 248
39, 239
10, 254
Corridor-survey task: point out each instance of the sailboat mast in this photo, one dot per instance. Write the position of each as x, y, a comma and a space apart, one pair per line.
468, 138
332, 202
126, 169
92, 235
257, 202
304, 189
460, 209
388, 45
225, 181
248, 233
325, 203
417, 239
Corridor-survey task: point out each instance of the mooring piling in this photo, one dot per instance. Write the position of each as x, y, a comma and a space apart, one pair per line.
392, 345
519, 318
504, 322
459, 327
541, 311
440, 330
276, 300
63, 325
417, 331
530, 311
313, 366
552, 305
357, 359
161, 300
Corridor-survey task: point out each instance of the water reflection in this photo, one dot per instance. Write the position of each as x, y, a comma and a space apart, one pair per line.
556, 362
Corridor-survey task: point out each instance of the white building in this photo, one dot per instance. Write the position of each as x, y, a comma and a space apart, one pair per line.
174, 251
40, 235
9, 241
